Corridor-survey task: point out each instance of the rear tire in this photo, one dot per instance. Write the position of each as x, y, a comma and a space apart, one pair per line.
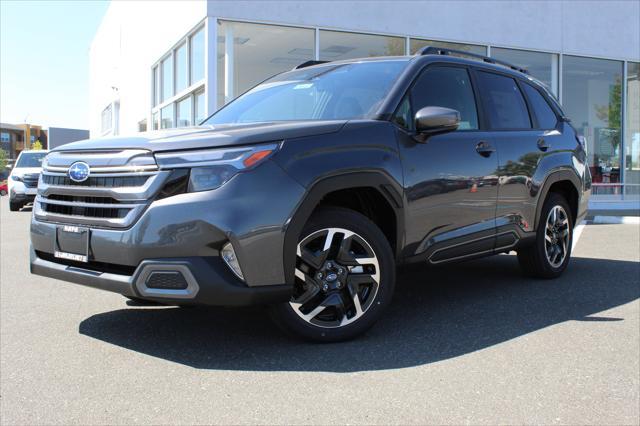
14, 207
549, 256
345, 277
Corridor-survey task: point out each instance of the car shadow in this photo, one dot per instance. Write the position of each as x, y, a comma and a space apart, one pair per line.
437, 314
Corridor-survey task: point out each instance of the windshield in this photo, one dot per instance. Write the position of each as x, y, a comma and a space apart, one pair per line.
31, 159
330, 92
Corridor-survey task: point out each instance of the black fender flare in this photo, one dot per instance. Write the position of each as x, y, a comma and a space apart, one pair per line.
378, 180
553, 177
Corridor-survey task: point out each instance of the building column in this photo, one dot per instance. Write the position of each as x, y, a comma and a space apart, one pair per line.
211, 65
228, 63
555, 71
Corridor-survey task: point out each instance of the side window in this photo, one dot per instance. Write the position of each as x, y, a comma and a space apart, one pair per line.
504, 104
546, 117
403, 117
448, 87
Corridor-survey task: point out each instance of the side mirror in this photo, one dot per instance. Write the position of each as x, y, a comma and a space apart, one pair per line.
434, 120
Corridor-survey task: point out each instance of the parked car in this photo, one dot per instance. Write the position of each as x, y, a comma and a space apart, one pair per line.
23, 180
4, 190
306, 192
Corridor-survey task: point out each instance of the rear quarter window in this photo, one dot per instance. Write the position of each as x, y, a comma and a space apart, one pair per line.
544, 114
503, 102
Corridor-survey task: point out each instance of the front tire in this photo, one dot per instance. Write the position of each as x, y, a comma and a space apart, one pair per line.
344, 278
550, 254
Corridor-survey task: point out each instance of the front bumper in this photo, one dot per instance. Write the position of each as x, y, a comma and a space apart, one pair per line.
189, 230
21, 198
19, 193
207, 281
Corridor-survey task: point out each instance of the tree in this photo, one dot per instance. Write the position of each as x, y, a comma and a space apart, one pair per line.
3, 159
37, 145
612, 113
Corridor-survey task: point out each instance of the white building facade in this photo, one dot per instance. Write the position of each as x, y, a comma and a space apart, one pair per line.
171, 64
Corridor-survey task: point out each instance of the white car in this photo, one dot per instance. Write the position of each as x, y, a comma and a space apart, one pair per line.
23, 180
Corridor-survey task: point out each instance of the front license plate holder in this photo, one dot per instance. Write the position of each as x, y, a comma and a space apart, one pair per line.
72, 243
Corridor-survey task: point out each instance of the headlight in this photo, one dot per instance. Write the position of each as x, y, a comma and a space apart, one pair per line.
212, 168
16, 178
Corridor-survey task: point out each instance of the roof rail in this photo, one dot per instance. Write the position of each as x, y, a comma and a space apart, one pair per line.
432, 50
309, 64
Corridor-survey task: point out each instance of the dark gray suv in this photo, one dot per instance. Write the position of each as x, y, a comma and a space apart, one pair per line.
306, 191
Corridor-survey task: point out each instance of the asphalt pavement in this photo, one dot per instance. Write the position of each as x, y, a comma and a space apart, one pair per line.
472, 343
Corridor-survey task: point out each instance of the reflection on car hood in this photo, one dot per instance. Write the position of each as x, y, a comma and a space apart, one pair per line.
209, 136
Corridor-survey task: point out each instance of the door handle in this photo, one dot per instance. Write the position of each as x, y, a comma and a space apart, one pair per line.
484, 149
543, 145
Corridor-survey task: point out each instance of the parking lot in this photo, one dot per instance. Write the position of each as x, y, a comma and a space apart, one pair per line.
463, 344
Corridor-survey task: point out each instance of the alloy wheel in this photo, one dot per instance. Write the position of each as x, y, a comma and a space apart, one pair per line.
557, 233
337, 278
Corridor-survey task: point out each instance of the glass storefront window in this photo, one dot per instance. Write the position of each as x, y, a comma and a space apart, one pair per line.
250, 53
591, 95
542, 66
197, 56
184, 112
166, 117
156, 85
180, 56
199, 110
339, 45
154, 118
632, 126
416, 44
167, 78
107, 119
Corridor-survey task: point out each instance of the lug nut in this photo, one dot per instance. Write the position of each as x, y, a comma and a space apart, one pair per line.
319, 276
325, 287
329, 265
340, 270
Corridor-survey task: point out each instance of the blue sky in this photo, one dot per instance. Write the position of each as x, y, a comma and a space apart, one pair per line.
44, 60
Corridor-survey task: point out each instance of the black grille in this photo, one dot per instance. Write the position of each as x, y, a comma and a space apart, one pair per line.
98, 212
167, 280
81, 199
97, 181
109, 268
31, 180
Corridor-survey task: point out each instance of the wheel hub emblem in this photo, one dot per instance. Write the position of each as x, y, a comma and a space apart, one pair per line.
332, 277
79, 171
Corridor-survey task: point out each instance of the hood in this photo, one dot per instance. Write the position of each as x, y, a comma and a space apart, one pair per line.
21, 171
209, 136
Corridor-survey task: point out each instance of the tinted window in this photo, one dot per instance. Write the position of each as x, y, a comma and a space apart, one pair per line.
447, 87
545, 115
503, 102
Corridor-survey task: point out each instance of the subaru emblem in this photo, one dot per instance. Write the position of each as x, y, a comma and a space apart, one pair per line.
332, 277
79, 171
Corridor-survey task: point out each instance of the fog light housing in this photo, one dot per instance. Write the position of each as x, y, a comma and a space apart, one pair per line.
229, 257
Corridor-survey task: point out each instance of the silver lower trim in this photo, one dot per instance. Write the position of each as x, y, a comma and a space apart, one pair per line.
146, 268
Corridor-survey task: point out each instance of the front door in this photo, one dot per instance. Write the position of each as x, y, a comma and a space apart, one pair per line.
450, 180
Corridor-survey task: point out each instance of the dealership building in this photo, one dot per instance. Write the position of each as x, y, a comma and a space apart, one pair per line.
171, 64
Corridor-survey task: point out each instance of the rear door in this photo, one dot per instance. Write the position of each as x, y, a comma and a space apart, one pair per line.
523, 132
450, 182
